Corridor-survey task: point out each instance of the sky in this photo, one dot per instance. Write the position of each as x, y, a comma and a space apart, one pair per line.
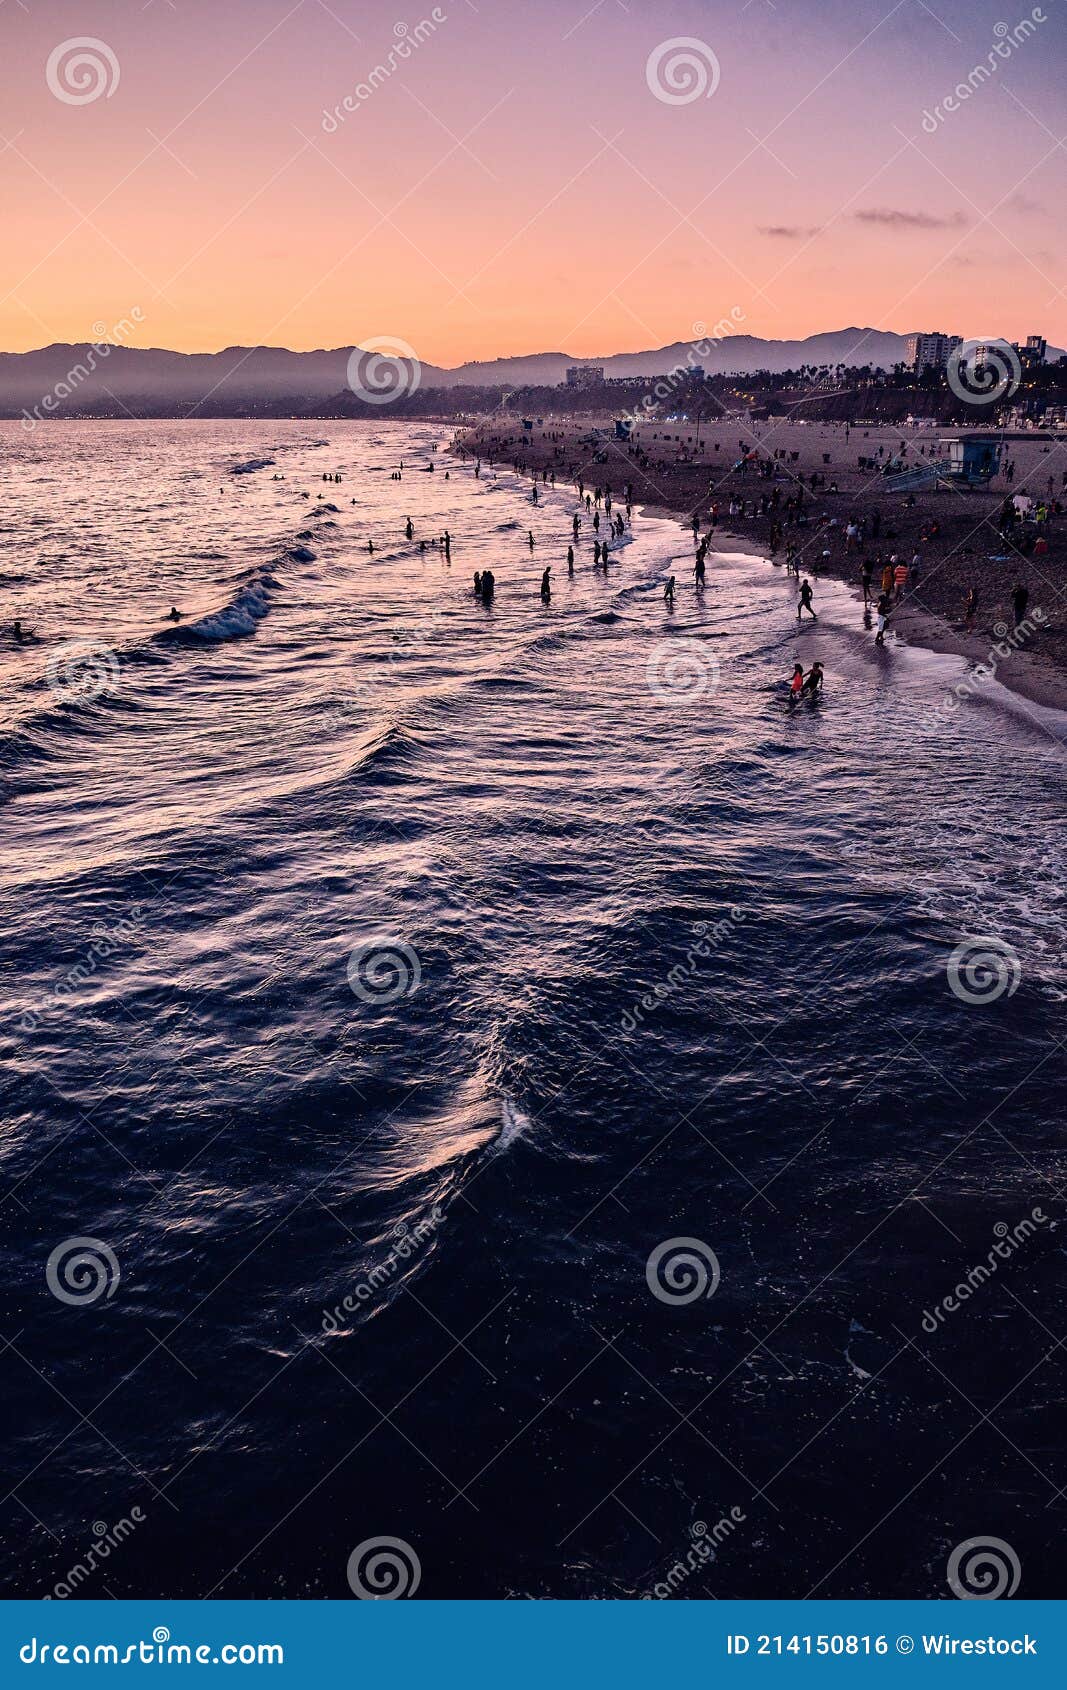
527, 175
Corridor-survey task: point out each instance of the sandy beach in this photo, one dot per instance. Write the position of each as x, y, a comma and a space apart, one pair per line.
952, 530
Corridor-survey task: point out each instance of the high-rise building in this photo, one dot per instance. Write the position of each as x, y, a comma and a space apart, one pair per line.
1033, 353
585, 375
998, 353
930, 351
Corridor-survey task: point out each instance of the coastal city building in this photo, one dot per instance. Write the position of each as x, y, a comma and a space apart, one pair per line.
930, 351
585, 375
1036, 413
1033, 353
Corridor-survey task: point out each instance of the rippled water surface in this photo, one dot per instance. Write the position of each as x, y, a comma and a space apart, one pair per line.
388, 976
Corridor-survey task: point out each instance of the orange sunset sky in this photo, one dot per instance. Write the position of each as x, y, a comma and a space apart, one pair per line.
517, 183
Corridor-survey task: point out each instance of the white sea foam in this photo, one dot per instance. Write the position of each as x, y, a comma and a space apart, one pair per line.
242, 616
513, 1123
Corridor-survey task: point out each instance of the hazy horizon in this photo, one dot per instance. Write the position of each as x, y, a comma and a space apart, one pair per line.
522, 355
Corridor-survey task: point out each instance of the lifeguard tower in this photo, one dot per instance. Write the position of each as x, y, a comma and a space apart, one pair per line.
972, 459
968, 460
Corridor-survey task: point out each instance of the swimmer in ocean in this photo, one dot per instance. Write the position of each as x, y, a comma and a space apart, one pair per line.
813, 683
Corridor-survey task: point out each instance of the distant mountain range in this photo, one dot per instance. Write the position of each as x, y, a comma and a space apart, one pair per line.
738, 354
79, 379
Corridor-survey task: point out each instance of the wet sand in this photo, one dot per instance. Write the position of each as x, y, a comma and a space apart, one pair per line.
680, 475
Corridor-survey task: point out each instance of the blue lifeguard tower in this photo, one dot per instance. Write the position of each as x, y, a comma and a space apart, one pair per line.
972, 459
968, 460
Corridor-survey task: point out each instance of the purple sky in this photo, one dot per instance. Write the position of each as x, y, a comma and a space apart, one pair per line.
518, 182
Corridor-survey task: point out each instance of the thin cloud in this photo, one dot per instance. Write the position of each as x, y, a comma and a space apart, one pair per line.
1001, 260
788, 231
890, 218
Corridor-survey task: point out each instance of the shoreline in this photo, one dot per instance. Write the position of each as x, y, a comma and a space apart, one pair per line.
1036, 673
915, 626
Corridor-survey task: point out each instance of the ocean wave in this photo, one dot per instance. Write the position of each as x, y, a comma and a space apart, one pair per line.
513, 1124
234, 621
31, 738
45, 732
250, 467
386, 755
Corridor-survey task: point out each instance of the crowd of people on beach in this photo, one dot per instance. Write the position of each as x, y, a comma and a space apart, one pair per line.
789, 508
600, 512
797, 527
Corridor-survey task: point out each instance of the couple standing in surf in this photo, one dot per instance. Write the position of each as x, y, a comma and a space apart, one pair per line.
805, 686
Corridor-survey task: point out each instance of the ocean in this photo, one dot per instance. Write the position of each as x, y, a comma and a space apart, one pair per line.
491, 1078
